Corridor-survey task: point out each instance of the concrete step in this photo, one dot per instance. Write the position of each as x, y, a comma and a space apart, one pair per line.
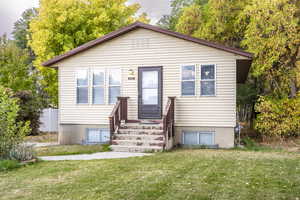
149, 143
124, 148
140, 131
139, 137
141, 126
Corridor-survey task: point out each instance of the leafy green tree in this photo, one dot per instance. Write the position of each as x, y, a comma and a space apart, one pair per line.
21, 28
190, 20
15, 70
170, 21
62, 25
273, 35
216, 21
17, 74
12, 132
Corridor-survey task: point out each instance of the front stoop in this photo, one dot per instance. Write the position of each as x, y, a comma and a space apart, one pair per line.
135, 137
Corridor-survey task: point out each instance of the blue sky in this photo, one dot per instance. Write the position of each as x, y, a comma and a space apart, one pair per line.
11, 10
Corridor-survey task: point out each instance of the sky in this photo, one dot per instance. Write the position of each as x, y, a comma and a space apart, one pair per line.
11, 10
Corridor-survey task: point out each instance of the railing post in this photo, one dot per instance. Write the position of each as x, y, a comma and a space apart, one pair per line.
124, 108
172, 107
111, 128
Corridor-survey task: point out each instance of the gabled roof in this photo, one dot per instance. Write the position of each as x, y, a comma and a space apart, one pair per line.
136, 25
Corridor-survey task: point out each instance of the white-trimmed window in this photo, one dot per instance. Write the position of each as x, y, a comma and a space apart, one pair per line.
198, 138
114, 85
98, 80
208, 80
82, 86
97, 135
188, 80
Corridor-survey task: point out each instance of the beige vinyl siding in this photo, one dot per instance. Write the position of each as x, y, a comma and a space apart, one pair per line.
147, 48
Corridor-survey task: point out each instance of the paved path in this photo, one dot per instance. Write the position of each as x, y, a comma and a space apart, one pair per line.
41, 144
95, 156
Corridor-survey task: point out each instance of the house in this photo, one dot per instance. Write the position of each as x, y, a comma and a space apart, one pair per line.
146, 88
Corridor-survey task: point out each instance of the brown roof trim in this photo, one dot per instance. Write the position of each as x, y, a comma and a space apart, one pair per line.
134, 26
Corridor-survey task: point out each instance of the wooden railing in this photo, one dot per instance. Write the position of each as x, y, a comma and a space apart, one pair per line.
118, 114
168, 119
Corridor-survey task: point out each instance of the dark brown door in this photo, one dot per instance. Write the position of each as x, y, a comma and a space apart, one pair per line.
150, 92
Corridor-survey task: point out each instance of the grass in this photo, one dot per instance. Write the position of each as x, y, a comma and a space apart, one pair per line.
180, 174
70, 150
8, 165
43, 137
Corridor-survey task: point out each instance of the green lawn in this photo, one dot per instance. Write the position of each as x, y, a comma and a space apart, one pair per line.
70, 150
182, 174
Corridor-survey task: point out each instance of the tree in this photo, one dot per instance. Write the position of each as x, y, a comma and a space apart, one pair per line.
16, 73
170, 21
63, 25
21, 28
273, 35
216, 21
12, 132
15, 70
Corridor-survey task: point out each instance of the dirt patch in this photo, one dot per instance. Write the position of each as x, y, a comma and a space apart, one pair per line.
43, 137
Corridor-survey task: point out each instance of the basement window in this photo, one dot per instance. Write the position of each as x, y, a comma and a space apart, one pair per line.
191, 138
97, 136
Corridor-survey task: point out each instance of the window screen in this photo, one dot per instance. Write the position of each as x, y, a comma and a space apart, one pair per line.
188, 80
207, 80
114, 85
98, 87
82, 89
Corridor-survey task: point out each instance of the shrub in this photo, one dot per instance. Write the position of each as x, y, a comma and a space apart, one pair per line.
12, 132
278, 117
31, 106
8, 165
22, 152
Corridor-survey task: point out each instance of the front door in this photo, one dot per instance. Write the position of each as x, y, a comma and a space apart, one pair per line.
150, 92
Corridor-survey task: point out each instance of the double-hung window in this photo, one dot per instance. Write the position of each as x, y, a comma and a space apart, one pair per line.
114, 83
188, 80
208, 80
82, 86
98, 86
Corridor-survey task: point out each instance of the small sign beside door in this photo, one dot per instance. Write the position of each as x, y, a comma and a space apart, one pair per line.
131, 75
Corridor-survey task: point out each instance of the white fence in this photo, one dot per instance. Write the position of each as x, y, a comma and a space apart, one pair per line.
49, 120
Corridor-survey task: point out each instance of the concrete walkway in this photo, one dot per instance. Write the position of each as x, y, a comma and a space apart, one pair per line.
41, 144
94, 156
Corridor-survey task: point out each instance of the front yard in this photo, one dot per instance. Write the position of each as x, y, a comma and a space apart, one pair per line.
60, 150
181, 174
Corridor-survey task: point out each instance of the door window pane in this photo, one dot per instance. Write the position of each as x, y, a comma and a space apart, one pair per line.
206, 138
150, 96
208, 88
150, 79
207, 72
188, 88
114, 77
82, 94
188, 72
114, 92
98, 95
191, 138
